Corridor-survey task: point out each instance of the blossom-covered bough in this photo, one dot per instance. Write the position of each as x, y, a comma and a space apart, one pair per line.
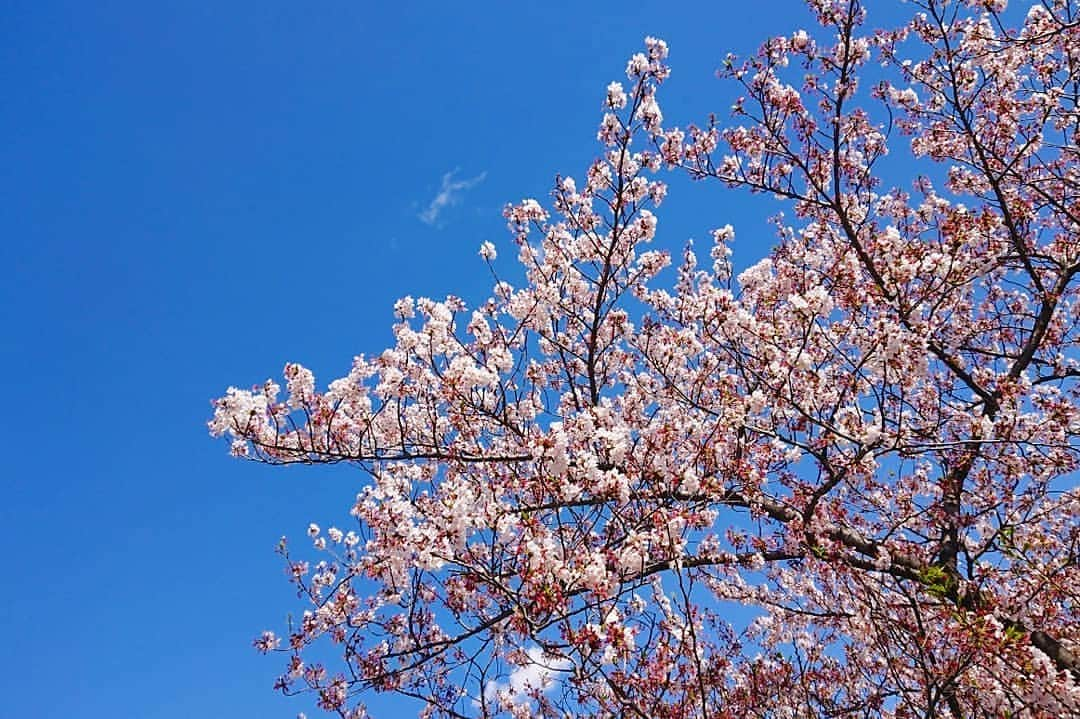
868, 438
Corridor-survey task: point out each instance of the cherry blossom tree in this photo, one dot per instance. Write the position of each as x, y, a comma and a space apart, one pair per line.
864, 444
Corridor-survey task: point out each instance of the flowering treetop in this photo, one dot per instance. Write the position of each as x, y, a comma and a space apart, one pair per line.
867, 437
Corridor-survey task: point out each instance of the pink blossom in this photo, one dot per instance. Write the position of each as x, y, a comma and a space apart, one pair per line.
868, 436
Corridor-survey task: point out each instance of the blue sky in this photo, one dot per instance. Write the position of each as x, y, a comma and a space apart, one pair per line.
192, 194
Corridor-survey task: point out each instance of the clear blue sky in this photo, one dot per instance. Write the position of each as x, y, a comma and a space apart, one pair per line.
193, 193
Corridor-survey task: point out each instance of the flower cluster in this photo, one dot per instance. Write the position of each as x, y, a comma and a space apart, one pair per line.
868, 437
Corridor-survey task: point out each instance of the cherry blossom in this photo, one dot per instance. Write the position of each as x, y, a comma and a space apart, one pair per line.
864, 439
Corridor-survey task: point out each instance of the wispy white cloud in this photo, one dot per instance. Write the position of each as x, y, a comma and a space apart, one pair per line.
540, 673
449, 194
